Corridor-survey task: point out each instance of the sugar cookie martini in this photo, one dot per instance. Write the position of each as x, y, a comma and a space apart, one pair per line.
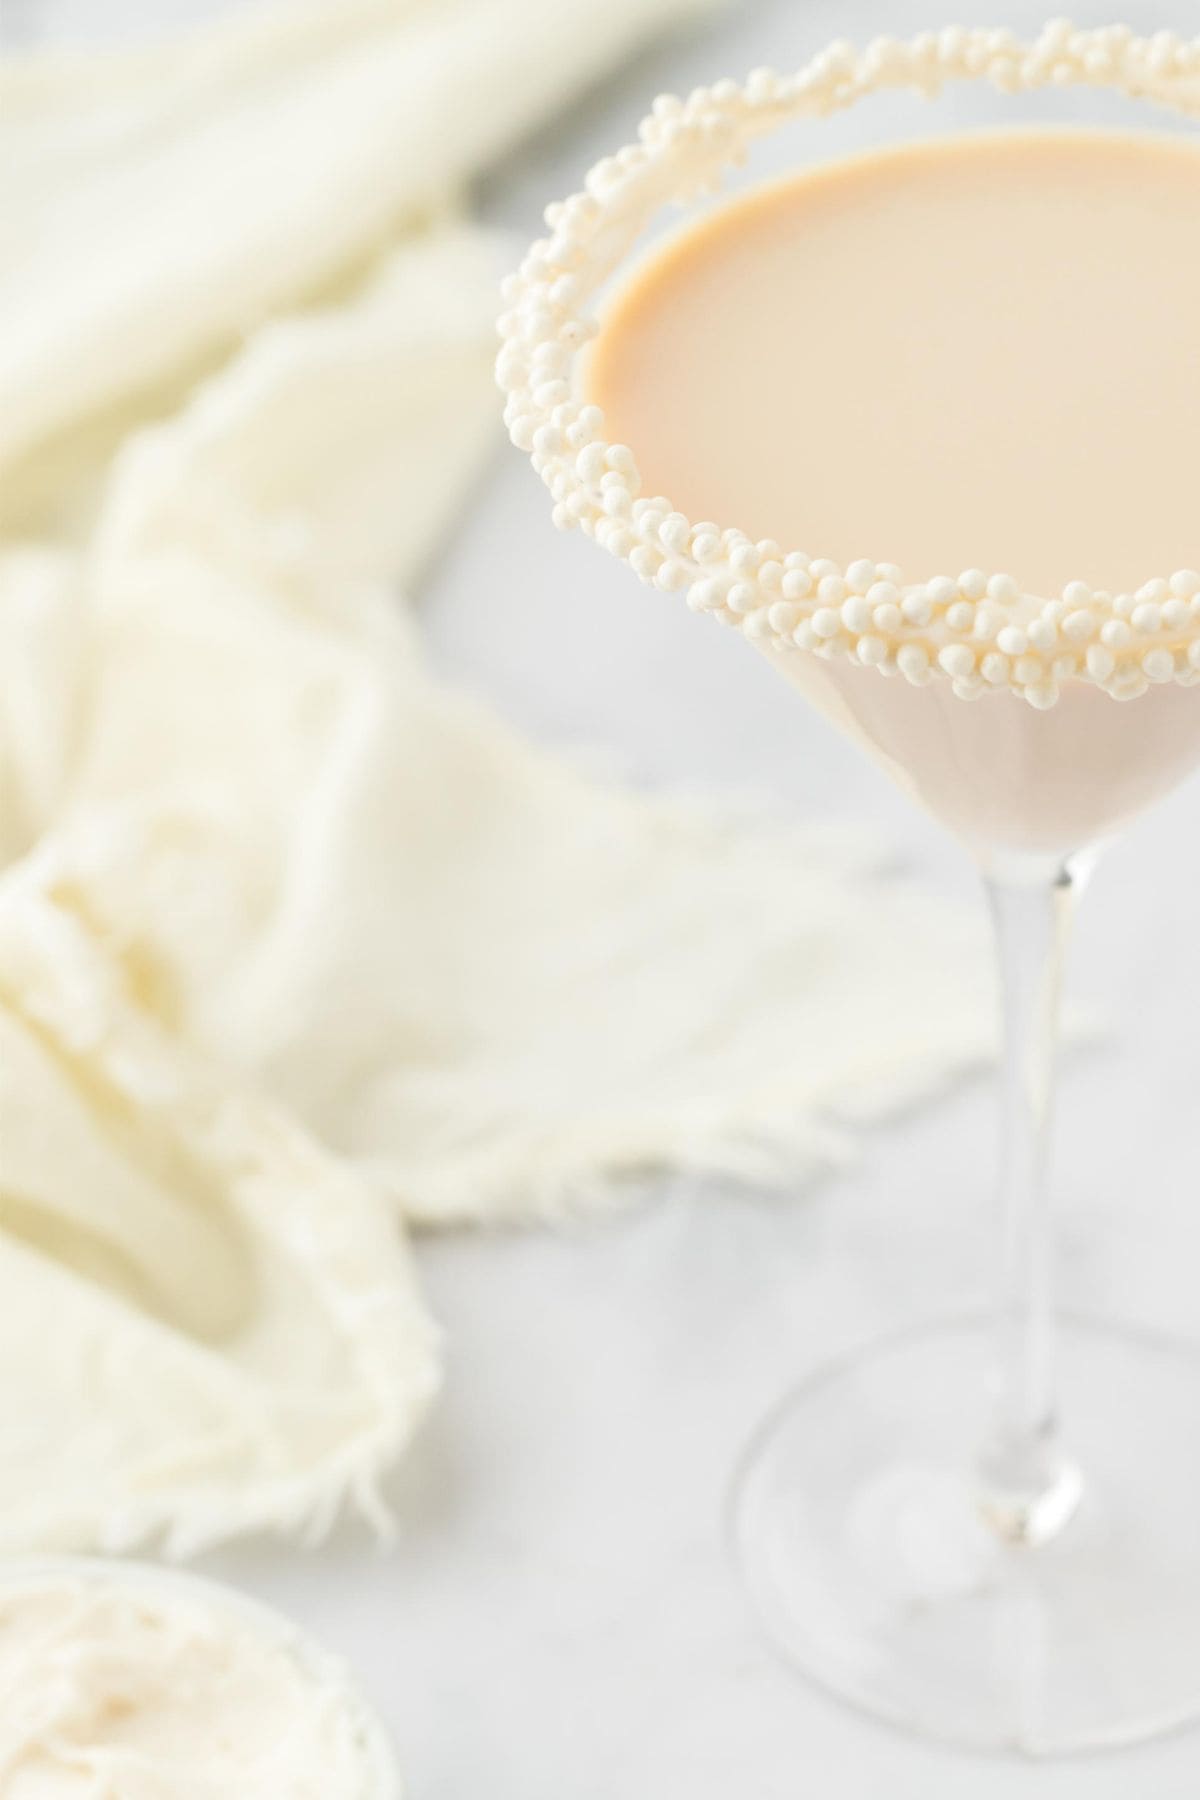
975, 354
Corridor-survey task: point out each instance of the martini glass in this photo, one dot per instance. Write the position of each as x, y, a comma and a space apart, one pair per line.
916, 1531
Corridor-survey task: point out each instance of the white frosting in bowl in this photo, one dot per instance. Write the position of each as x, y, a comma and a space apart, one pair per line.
122, 1680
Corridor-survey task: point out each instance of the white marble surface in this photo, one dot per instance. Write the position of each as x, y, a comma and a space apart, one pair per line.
559, 1620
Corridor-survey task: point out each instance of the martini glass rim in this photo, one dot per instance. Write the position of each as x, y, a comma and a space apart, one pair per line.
981, 632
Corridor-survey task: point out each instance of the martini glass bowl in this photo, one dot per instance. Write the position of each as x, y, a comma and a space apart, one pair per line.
917, 1532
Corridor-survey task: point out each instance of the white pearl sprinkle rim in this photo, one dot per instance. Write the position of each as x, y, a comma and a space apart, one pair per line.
978, 631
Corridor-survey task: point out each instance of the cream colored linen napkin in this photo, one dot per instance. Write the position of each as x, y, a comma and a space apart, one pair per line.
294, 940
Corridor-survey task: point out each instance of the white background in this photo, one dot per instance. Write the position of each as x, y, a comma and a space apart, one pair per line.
559, 1620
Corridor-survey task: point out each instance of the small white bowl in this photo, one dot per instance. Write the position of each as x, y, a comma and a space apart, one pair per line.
326, 1672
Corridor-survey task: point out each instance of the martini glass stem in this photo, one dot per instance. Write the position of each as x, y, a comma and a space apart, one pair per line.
1028, 1487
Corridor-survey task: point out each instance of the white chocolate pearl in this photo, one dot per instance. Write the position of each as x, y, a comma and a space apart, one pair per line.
1077, 594
856, 613
672, 575
744, 559
1153, 593
957, 660
706, 546
883, 56
1147, 618
995, 668
1123, 605
988, 621
1043, 695
1029, 670
917, 607
1042, 634
822, 567
826, 622
1080, 624
565, 291
1176, 615
883, 593
589, 464
890, 572
972, 584
1100, 662
1115, 634
960, 616
620, 457
784, 616
1012, 640
756, 624
536, 326
831, 590
942, 591
762, 86
887, 617
705, 596
1003, 589
550, 394
804, 637
644, 561
1185, 584
675, 532
872, 650
742, 597
1159, 665
548, 360
912, 660
797, 584
860, 575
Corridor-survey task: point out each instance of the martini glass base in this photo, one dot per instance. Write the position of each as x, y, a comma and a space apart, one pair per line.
860, 1533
